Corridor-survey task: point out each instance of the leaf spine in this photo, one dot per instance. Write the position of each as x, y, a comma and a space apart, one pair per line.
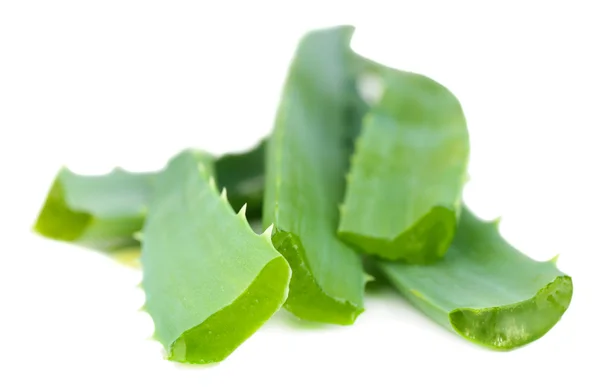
224, 194
242, 211
268, 232
212, 183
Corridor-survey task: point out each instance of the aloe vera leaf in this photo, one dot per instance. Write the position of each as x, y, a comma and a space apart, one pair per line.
104, 212
101, 212
403, 193
307, 156
210, 280
485, 290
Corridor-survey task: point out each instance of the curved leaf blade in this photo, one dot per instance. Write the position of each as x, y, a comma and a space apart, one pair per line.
307, 157
485, 290
210, 281
402, 199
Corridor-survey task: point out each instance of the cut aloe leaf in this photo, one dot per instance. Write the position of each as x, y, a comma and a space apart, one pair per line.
101, 212
307, 157
484, 289
210, 280
104, 212
402, 198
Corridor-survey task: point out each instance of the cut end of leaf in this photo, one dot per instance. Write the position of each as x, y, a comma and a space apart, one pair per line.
511, 326
307, 300
56, 219
219, 335
424, 243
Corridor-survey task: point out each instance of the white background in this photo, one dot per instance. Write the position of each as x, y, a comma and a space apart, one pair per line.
93, 84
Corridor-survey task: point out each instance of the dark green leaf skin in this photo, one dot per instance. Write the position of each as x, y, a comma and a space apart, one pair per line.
210, 280
105, 212
307, 157
484, 289
243, 174
402, 200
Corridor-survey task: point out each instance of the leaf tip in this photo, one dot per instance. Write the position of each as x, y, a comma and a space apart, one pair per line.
554, 259
138, 236
224, 193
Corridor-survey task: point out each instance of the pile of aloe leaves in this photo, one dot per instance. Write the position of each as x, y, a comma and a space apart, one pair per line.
346, 181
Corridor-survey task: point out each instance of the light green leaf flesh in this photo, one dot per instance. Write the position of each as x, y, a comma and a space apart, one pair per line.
404, 187
484, 289
210, 281
105, 212
307, 156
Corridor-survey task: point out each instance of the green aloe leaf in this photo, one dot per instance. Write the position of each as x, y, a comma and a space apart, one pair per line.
402, 199
104, 212
307, 157
210, 280
101, 212
484, 289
